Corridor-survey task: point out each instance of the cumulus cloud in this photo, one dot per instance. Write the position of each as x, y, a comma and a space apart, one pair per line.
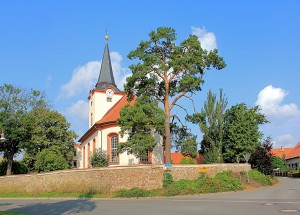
207, 39
79, 110
286, 140
85, 77
270, 101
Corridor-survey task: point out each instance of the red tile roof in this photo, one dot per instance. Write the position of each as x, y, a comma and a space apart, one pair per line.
78, 146
114, 113
295, 152
280, 151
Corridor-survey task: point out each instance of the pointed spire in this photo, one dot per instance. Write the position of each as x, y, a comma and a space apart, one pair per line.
106, 76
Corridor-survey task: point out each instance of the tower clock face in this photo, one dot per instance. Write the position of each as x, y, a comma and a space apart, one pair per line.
109, 93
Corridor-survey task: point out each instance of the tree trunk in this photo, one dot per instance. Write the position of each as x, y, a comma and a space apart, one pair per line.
167, 139
9, 164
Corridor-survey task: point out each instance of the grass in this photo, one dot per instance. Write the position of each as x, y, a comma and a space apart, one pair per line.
222, 182
11, 213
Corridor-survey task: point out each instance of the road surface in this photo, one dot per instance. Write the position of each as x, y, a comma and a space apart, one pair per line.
276, 200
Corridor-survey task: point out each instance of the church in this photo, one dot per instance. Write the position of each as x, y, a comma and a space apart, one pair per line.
105, 102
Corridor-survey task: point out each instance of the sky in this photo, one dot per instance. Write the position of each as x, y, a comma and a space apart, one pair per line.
57, 46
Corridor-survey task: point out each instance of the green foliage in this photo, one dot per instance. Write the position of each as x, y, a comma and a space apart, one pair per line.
49, 160
220, 183
99, 158
167, 70
183, 140
261, 157
51, 130
260, 178
168, 179
241, 131
211, 124
140, 122
213, 156
279, 163
15, 103
11, 213
17, 167
188, 160
134, 193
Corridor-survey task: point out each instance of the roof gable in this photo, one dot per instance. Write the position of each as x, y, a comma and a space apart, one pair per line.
281, 152
295, 152
114, 112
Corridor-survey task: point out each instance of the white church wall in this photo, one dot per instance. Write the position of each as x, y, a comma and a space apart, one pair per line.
100, 103
157, 153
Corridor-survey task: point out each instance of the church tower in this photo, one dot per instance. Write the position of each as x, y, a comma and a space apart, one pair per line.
106, 93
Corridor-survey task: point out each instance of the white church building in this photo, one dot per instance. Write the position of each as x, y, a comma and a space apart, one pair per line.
105, 102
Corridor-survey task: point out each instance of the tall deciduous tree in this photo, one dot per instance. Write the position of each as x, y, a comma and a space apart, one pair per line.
140, 122
15, 103
51, 132
211, 124
168, 72
241, 131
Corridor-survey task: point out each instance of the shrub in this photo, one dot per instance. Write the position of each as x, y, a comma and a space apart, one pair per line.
17, 168
168, 180
48, 160
99, 158
220, 183
188, 160
279, 163
260, 178
261, 158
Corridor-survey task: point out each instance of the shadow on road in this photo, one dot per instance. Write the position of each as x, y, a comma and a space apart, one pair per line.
57, 208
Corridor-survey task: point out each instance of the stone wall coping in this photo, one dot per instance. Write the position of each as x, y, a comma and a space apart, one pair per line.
126, 167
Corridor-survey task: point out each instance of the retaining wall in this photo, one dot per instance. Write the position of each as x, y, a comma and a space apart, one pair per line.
108, 179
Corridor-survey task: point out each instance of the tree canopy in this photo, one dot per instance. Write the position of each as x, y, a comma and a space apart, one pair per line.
140, 122
52, 132
211, 124
168, 72
241, 131
15, 104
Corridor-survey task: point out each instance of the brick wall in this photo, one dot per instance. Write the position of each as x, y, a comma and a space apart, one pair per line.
107, 179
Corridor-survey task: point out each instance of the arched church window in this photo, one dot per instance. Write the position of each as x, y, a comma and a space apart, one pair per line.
114, 148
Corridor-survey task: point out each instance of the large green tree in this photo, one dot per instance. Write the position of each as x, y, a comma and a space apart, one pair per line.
52, 132
168, 71
140, 122
15, 104
211, 124
241, 131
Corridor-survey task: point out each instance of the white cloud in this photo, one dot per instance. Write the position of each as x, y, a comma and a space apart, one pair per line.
79, 110
270, 101
286, 140
207, 39
120, 73
85, 77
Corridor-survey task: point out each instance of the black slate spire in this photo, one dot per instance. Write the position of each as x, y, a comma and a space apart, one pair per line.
106, 76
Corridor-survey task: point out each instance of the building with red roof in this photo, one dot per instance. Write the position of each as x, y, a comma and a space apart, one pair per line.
291, 155
105, 104
293, 158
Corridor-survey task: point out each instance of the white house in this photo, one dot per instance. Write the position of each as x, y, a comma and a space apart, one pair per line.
105, 103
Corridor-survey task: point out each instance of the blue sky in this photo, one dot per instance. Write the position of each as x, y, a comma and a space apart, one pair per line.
56, 47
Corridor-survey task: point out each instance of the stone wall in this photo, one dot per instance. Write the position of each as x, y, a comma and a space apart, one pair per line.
109, 179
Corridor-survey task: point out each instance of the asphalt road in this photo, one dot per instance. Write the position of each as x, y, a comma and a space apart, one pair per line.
279, 199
